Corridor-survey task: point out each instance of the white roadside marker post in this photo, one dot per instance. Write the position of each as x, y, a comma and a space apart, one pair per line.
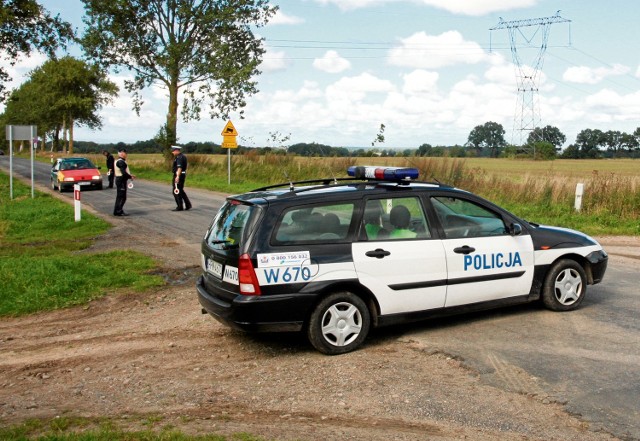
76, 202
579, 193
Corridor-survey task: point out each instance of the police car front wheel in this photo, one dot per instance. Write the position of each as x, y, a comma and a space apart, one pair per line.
565, 286
339, 323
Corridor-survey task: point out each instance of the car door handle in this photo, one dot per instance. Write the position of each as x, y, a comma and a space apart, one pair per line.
464, 250
378, 253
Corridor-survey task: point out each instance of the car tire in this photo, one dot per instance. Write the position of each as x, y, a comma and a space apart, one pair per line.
53, 185
339, 323
60, 188
565, 286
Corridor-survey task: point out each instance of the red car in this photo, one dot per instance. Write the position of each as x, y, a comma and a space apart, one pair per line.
69, 171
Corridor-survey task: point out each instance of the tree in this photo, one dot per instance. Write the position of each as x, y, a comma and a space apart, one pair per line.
589, 142
544, 150
619, 144
571, 152
635, 144
549, 134
425, 150
489, 135
379, 139
629, 142
26, 26
60, 94
203, 48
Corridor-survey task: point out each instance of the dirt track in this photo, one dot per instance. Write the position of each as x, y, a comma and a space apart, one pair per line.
154, 356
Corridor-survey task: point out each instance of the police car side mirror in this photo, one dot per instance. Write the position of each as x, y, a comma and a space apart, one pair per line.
515, 229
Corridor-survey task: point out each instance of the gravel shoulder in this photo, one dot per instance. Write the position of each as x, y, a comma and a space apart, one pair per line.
133, 357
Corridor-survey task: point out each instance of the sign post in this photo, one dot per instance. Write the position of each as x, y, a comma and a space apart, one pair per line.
229, 141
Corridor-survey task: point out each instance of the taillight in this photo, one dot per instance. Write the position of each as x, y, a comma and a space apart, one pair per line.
247, 277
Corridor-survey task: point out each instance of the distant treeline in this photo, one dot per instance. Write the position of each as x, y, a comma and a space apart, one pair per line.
301, 149
320, 150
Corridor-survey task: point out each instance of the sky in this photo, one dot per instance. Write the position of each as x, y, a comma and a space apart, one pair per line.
429, 70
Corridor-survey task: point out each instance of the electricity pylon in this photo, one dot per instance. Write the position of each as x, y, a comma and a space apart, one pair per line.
527, 116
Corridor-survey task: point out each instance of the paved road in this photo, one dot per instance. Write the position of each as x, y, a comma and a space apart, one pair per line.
149, 205
589, 358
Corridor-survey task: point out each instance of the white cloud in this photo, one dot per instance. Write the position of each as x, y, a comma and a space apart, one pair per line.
589, 75
422, 51
331, 62
477, 7
500, 71
347, 5
419, 82
273, 61
283, 19
19, 72
463, 7
611, 106
352, 89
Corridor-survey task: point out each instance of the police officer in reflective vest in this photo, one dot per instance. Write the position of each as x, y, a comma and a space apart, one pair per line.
122, 176
179, 176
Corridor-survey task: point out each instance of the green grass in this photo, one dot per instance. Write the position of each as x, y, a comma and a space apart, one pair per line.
83, 429
43, 264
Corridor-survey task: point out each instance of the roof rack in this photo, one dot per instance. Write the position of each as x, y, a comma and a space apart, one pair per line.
292, 184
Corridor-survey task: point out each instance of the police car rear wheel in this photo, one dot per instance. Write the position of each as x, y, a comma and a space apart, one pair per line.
339, 324
565, 286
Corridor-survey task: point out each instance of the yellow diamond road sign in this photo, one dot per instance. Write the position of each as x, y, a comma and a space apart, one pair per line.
229, 130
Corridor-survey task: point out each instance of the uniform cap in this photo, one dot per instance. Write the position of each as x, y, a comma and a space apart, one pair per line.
176, 147
122, 149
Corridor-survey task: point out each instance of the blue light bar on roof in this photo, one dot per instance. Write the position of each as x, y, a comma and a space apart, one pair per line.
383, 173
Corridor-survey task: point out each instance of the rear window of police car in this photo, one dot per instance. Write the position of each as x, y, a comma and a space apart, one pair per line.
314, 223
228, 227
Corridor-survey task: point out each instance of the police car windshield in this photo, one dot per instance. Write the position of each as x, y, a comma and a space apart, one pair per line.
227, 229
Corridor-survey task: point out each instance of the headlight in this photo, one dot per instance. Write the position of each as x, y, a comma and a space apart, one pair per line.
68, 180
96, 177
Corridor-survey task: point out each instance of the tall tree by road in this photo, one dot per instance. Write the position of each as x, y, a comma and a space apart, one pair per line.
60, 94
203, 48
26, 26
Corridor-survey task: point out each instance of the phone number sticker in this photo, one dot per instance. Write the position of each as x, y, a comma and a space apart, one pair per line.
295, 258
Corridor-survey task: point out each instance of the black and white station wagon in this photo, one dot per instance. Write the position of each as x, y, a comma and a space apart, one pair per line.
335, 257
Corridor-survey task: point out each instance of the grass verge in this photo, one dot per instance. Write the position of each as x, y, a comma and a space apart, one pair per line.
84, 429
43, 264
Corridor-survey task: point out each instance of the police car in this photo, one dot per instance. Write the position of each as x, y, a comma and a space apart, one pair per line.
335, 257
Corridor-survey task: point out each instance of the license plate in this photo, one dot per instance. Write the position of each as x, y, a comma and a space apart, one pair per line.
214, 268
84, 183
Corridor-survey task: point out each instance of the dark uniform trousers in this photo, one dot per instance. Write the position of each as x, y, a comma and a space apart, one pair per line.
182, 200
121, 194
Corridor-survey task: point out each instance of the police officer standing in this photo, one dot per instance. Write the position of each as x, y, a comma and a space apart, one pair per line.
179, 176
110, 166
122, 176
